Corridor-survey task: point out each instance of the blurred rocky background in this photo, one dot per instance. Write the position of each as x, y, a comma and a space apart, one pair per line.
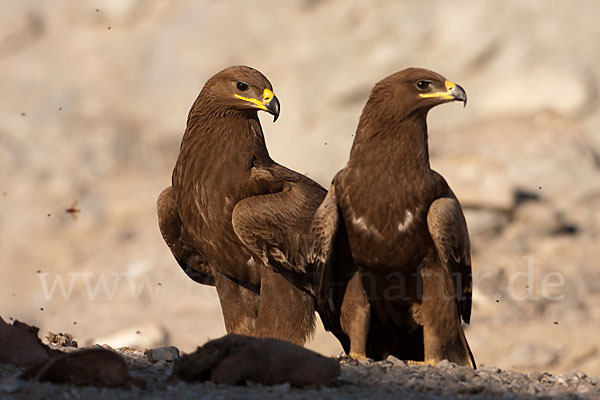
93, 102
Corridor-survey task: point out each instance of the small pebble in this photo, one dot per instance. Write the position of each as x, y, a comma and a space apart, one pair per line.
577, 374
106, 347
396, 361
167, 353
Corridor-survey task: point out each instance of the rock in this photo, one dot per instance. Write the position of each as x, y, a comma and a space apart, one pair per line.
61, 339
396, 361
235, 359
134, 358
167, 353
20, 345
106, 347
575, 373
94, 367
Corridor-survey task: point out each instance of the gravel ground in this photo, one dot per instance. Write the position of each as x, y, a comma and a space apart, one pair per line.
391, 378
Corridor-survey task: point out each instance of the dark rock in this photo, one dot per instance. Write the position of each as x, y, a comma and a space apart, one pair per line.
236, 359
89, 367
20, 345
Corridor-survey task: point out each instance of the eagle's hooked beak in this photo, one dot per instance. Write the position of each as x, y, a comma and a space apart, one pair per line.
453, 92
272, 103
269, 103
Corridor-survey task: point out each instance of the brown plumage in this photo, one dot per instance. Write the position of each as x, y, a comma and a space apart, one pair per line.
391, 252
233, 215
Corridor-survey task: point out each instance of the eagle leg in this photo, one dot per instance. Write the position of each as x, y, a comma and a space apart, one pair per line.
356, 316
443, 335
238, 304
278, 299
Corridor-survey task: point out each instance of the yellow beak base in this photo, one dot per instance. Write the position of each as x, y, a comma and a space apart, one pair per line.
453, 92
269, 102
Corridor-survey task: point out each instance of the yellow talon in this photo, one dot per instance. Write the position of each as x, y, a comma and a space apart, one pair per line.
413, 362
358, 356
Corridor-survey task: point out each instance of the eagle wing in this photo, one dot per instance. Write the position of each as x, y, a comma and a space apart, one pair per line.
448, 229
275, 226
329, 256
171, 228
323, 234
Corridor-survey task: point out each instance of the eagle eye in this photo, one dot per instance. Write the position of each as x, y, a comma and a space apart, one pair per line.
422, 85
242, 86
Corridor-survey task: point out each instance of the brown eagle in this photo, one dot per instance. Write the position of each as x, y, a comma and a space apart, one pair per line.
391, 253
232, 214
